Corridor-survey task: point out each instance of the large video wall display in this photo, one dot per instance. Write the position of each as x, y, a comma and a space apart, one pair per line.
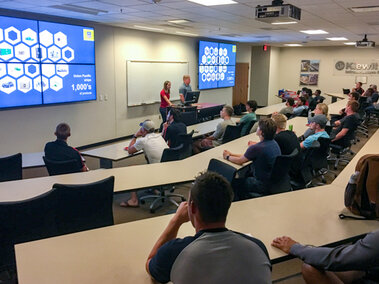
45, 63
216, 65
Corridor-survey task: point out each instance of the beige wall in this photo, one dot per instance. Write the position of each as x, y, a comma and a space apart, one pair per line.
290, 59
28, 129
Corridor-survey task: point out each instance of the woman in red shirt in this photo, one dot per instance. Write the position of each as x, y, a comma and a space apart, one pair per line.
165, 100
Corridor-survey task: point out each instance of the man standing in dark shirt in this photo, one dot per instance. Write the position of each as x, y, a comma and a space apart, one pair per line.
263, 155
344, 129
58, 150
173, 128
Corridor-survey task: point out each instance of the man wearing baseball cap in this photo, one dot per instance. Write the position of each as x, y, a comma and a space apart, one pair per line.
317, 124
152, 145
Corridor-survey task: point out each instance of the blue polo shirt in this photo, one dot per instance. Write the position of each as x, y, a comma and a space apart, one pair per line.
310, 139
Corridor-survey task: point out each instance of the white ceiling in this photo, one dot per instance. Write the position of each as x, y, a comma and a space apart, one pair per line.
228, 22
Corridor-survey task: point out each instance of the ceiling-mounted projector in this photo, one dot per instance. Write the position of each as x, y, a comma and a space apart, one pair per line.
364, 43
278, 13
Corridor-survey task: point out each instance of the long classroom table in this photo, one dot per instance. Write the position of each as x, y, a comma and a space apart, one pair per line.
134, 177
115, 152
334, 108
336, 96
117, 254
268, 110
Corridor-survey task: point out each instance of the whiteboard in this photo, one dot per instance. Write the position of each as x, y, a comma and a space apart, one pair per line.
145, 80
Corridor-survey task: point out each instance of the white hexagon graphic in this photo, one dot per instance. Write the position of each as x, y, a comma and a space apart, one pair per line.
225, 52
201, 69
46, 38
7, 85
222, 60
218, 76
227, 60
54, 53
204, 59
68, 54
216, 51
222, 76
224, 69
38, 52
203, 77
213, 59
206, 68
29, 37
220, 69
56, 83
6, 51
12, 35
48, 70
62, 70
211, 69
32, 70
24, 84
60, 39
208, 77
22, 52
1, 35
213, 76
206, 50
3, 69
15, 69
209, 59
37, 84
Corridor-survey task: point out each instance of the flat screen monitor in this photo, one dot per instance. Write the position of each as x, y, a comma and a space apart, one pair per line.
45, 63
191, 97
216, 65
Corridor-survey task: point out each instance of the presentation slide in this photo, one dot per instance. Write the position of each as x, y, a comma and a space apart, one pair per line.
74, 83
62, 43
216, 65
45, 63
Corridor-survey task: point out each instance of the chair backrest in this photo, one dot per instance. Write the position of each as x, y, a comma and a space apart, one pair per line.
245, 131
189, 117
231, 132
227, 171
304, 113
173, 154
279, 178
346, 91
84, 206
11, 167
186, 140
24, 221
61, 167
320, 154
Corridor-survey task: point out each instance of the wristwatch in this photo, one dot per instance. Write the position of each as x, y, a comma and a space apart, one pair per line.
227, 157
134, 136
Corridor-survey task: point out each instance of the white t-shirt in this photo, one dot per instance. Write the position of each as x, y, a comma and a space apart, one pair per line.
153, 145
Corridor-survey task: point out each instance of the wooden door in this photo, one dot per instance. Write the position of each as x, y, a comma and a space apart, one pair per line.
241, 84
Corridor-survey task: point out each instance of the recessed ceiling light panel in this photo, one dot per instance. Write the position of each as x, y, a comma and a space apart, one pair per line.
365, 9
284, 23
293, 44
213, 2
314, 32
336, 38
179, 21
148, 28
349, 43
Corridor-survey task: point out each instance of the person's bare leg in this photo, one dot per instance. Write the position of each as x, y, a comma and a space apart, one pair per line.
132, 202
312, 275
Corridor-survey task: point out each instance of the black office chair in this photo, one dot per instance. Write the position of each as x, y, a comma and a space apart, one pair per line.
169, 154
279, 179
340, 153
25, 221
84, 206
11, 167
288, 115
346, 91
248, 128
304, 113
186, 140
231, 132
62, 167
227, 171
189, 117
319, 159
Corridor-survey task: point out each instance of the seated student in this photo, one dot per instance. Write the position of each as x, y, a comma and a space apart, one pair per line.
320, 109
173, 128
344, 129
251, 107
317, 125
354, 96
263, 155
316, 100
216, 138
152, 145
308, 96
287, 141
58, 150
355, 263
301, 106
214, 254
358, 88
288, 109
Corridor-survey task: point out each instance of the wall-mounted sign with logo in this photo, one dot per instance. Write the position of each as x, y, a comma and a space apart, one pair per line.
353, 67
